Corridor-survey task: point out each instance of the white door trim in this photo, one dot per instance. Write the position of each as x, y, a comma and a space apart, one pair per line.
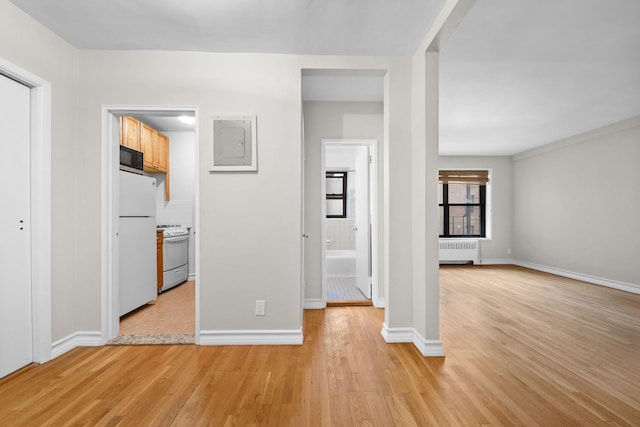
40, 163
374, 178
110, 166
303, 232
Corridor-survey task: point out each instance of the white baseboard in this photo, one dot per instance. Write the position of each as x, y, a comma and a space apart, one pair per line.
379, 303
77, 339
495, 262
314, 304
621, 286
257, 337
428, 348
396, 335
192, 277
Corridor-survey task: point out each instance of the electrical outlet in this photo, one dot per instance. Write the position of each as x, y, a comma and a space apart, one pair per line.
260, 307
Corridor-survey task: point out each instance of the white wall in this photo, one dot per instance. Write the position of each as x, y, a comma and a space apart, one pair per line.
576, 204
250, 228
424, 213
495, 248
250, 222
333, 120
25, 43
182, 158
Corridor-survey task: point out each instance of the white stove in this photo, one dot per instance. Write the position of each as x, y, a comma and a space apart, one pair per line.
173, 230
175, 254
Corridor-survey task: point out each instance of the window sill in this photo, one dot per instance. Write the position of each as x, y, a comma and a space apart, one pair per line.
466, 237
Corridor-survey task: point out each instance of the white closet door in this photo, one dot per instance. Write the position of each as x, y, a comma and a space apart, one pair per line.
16, 348
362, 222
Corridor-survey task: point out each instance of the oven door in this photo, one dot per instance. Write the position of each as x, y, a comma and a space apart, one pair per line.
174, 252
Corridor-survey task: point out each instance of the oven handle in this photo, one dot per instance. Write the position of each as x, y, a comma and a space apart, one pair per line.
175, 239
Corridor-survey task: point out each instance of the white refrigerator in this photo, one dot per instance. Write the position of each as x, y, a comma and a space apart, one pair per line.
137, 241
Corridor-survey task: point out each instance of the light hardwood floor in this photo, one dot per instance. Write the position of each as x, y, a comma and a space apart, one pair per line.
523, 348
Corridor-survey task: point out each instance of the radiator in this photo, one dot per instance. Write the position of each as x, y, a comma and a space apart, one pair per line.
458, 251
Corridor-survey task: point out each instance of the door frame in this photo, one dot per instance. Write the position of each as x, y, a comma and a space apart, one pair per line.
110, 326
373, 191
40, 177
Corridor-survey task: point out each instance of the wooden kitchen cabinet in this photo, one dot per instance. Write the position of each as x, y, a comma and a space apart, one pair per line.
155, 147
162, 160
147, 146
167, 187
159, 255
161, 151
130, 132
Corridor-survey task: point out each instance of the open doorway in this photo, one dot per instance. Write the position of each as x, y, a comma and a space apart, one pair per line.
341, 107
349, 221
164, 309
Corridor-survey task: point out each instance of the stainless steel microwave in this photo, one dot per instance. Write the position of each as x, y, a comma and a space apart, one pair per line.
131, 160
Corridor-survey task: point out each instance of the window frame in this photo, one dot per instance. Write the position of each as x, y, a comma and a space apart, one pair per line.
444, 232
337, 196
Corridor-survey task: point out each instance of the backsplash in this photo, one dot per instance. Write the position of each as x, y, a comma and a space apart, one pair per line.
175, 212
340, 234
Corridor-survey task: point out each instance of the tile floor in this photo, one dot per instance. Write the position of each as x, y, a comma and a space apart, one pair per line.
172, 313
343, 288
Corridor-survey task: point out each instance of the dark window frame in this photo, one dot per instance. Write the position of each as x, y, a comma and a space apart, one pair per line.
482, 205
337, 196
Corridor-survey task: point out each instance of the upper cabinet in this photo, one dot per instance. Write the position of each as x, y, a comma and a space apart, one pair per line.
130, 132
153, 144
162, 152
147, 146
155, 147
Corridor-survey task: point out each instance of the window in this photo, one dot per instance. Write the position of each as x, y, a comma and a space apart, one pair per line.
463, 198
336, 194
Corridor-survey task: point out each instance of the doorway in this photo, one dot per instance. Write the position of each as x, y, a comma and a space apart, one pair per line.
173, 316
349, 222
25, 157
347, 106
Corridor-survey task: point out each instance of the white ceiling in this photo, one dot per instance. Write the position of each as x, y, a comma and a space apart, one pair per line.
519, 73
165, 121
515, 75
317, 27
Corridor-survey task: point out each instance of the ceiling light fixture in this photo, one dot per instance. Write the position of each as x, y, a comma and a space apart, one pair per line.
187, 120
